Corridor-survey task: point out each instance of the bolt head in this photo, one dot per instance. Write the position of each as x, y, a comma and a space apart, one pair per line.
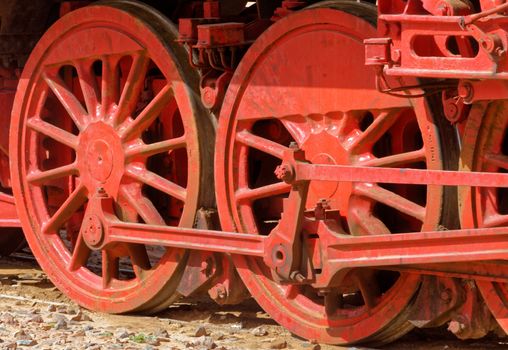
93, 231
456, 326
297, 276
209, 97
446, 295
284, 172
101, 192
218, 292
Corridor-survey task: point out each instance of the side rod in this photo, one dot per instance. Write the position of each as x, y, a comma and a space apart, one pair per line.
347, 251
348, 173
187, 238
420, 247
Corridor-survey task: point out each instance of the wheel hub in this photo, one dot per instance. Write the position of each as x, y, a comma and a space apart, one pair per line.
101, 158
92, 231
334, 153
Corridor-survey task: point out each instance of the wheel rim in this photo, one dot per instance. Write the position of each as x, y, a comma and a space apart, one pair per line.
486, 151
312, 118
115, 112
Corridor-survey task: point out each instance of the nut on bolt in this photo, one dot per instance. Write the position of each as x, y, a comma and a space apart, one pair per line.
297, 276
466, 91
446, 295
101, 192
285, 173
218, 292
458, 325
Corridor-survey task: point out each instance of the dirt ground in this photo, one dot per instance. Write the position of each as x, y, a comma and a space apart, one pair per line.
35, 315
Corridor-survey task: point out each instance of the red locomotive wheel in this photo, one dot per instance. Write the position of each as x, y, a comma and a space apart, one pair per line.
486, 150
304, 81
106, 104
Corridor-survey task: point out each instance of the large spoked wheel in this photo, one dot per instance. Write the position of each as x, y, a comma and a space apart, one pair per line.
304, 81
486, 150
107, 104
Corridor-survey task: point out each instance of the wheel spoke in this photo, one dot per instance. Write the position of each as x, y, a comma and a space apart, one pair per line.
75, 200
142, 205
261, 144
41, 177
292, 291
381, 124
149, 113
110, 268
495, 221
133, 87
68, 101
499, 160
368, 287
57, 134
80, 254
392, 200
298, 130
139, 259
348, 119
362, 222
156, 148
145, 208
88, 83
158, 182
333, 301
397, 159
110, 85
247, 194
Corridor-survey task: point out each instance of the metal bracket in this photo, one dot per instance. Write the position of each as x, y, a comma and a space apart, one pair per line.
284, 245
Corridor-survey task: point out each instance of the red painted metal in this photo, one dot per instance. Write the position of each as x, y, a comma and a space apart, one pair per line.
108, 110
11, 237
445, 295
473, 319
218, 47
221, 34
273, 101
336, 181
332, 250
422, 48
302, 172
211, 9
484, 207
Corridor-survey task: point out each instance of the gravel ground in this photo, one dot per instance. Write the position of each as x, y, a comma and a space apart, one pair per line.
35, 315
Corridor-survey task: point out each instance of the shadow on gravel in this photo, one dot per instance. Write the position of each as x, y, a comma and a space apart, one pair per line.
442, 339
247, 315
